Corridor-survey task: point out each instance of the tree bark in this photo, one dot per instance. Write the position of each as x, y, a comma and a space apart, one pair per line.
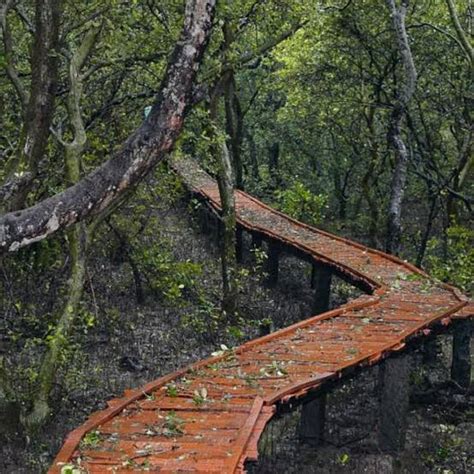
40, 106
234, 128
394, 231
146, 147
228, 250
9, 62
78, 241
463, 38
50, 363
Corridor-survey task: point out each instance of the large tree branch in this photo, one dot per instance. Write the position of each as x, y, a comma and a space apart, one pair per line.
138, 155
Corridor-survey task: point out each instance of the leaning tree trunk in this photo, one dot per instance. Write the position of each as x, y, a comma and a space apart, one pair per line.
394, 231
40, 106
141, 152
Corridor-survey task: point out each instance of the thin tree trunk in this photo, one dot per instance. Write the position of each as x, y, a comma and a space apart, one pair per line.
78, 240
225, 176
394, 231
51, 360
40, 106
228, 257
253, 157
273, 164
466, 162
234, 128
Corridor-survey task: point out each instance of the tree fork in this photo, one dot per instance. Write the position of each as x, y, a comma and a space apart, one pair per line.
39, 108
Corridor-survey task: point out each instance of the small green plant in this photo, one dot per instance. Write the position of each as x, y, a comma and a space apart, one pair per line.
343, 459
71, 469
173, 426
172, 390
91, 439
200, 396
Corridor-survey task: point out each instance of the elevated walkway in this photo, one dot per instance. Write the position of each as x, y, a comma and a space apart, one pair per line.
208, 417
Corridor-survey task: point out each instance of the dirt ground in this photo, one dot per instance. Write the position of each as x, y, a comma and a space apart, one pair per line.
131, 344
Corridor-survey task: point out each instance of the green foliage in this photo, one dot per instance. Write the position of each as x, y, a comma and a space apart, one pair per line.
166, 276
173, 425
458, 266
343, 459
91, 439
445, 447
172, 390
299, 202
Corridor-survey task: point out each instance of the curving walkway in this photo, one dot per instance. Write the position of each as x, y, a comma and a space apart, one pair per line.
208, 417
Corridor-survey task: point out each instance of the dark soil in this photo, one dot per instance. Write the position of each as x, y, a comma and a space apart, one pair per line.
127, 345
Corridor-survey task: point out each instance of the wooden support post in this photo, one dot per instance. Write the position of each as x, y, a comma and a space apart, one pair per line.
430, 351
461, 363
265, 327
256, 241
313, 417
210, 224
394, 383
321, 277
273, 262
239, 244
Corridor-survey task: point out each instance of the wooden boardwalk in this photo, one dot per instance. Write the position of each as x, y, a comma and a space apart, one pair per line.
208, 417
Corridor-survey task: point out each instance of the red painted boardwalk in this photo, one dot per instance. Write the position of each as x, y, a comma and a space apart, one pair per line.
209, 416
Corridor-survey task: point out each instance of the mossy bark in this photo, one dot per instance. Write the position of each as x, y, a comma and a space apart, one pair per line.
77, 238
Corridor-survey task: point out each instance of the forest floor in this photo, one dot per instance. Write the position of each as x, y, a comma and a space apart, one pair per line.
129, 344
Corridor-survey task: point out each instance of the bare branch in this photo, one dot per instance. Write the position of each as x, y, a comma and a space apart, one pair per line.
439, 30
